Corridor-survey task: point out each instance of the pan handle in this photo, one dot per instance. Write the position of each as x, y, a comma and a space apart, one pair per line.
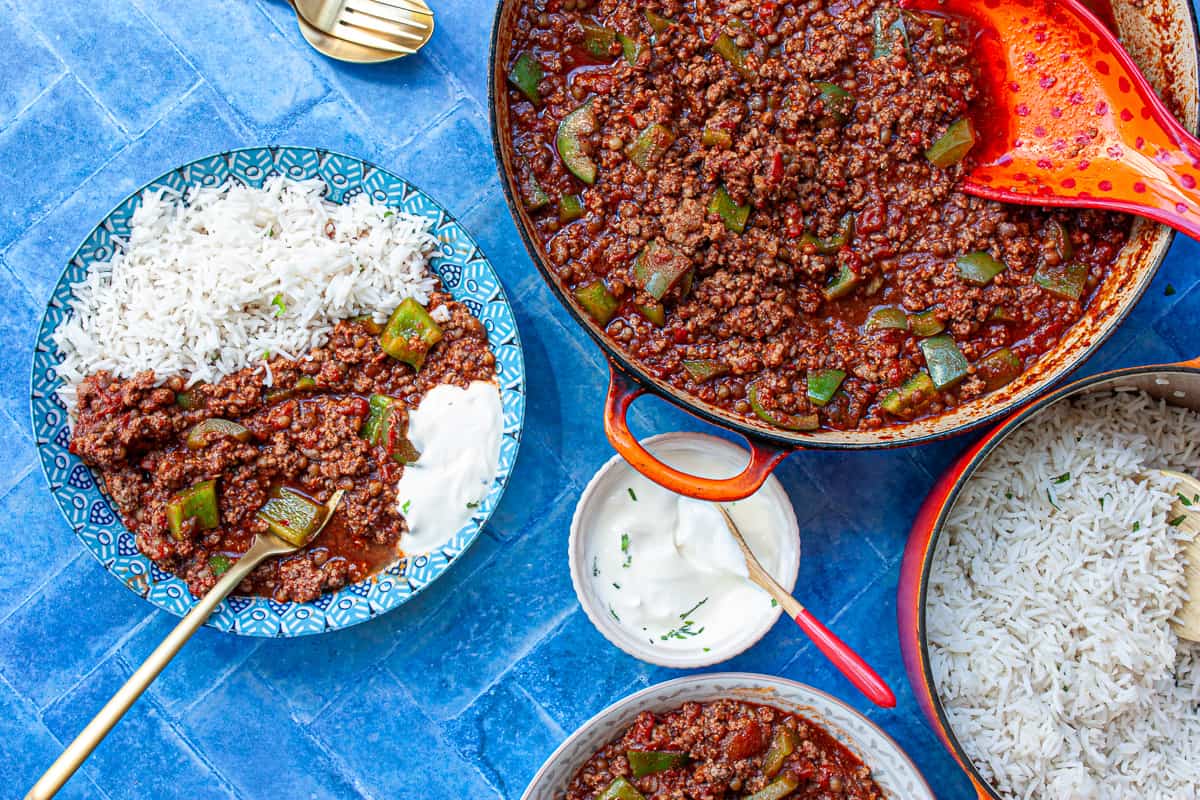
622, 391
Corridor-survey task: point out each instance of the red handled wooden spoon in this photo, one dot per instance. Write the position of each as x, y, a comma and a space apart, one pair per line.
848, 662
1065, 117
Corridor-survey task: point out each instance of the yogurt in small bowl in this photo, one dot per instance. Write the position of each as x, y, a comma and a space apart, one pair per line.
660, 576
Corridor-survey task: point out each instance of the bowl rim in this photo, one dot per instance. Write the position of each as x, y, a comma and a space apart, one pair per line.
639, 697
365, 608
710, 414
576, 544
963, 473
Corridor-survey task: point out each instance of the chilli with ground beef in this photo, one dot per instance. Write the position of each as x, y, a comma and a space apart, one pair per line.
724, 749
197, 472
757, 202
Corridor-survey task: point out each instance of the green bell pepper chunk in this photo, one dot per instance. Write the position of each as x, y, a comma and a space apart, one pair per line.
648, 762
836, 101
776, 789
379, 410
410, 333
291, 516
842, 284
887, 318
199, 435
198, 502
385, 426
219, 564
306, 382
947, 365
999, 368
651, 143
368, 322
658, 269
598, 301
654, 312
1001, 314
782, 419
1065, 280
569, 142
533, 196
823, 385
189, 399
783, 744
925, 323
716, 137
658, 23
736, 56
884, 36
911, 398
630, 48
599, 41
1059, 239
953, 145
621, 789
570, 207
705, 369
733, 215
979, 268
830, 245
526, 74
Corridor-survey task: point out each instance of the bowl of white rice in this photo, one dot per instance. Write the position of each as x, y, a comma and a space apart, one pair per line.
1038, 589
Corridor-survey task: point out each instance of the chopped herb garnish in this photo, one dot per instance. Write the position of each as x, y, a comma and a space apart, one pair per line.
407, 505
1170, 290
266, 354
1008, 495
1101, 503
625, 550
1174, 523
1137, 526
614, 614
219, 565
1050, 497
616, 586
682, 632
707, 649
774, 603
1066, 476
595, 566
1183, 499
280, 306
387, 214
631, 494
476, 504
688, 613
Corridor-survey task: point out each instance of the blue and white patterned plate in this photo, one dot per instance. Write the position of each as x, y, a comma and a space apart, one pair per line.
464, 272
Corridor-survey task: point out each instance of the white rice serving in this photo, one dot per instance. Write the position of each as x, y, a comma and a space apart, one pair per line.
1049, 608
227, 276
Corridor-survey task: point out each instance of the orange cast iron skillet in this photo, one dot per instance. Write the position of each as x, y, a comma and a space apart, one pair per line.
1161, 36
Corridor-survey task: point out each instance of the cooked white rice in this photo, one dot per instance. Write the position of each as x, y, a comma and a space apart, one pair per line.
213, 284
1049, 605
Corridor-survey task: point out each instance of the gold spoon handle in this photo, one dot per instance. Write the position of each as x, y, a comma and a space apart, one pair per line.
87, 740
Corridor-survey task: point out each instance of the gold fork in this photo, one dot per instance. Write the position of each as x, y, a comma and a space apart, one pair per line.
396, 26
264, 546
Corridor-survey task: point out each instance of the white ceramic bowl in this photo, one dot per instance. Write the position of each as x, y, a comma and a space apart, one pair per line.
890, 766
616, 471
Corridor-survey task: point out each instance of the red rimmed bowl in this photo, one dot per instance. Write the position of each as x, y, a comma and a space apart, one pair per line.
1162, 38
1176, 384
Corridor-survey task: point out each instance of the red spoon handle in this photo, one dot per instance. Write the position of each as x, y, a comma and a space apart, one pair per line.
847, 661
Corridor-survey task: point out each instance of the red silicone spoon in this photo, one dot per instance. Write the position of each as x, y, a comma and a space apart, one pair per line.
1065, 118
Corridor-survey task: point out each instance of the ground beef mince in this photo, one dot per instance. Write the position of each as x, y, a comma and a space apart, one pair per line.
757, 201
302, 432
724, 749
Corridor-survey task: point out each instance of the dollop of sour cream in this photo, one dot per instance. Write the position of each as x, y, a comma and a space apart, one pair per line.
457, 432
666, 566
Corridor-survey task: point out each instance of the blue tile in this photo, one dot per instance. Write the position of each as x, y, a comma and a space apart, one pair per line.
30, 749
245, 58
462, 43
209, 653
240, 721
16, 443
43, 539
18, 329
393, 748
452, 161
96, 46
565, 676
334, 124
28, 66
143, 756
489, 623
67, 123
195, 127
487, 735
65, 629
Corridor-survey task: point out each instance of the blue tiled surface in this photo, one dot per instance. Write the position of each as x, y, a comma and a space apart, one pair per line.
463, 692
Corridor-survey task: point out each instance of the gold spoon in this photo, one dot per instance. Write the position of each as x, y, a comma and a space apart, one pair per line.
340, 49
1187, 622
848, 662
265, 545
368, 28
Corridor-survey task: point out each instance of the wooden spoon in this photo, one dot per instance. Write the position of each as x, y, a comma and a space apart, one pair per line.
1187, 622
1065, 118
846, 660
265, 545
